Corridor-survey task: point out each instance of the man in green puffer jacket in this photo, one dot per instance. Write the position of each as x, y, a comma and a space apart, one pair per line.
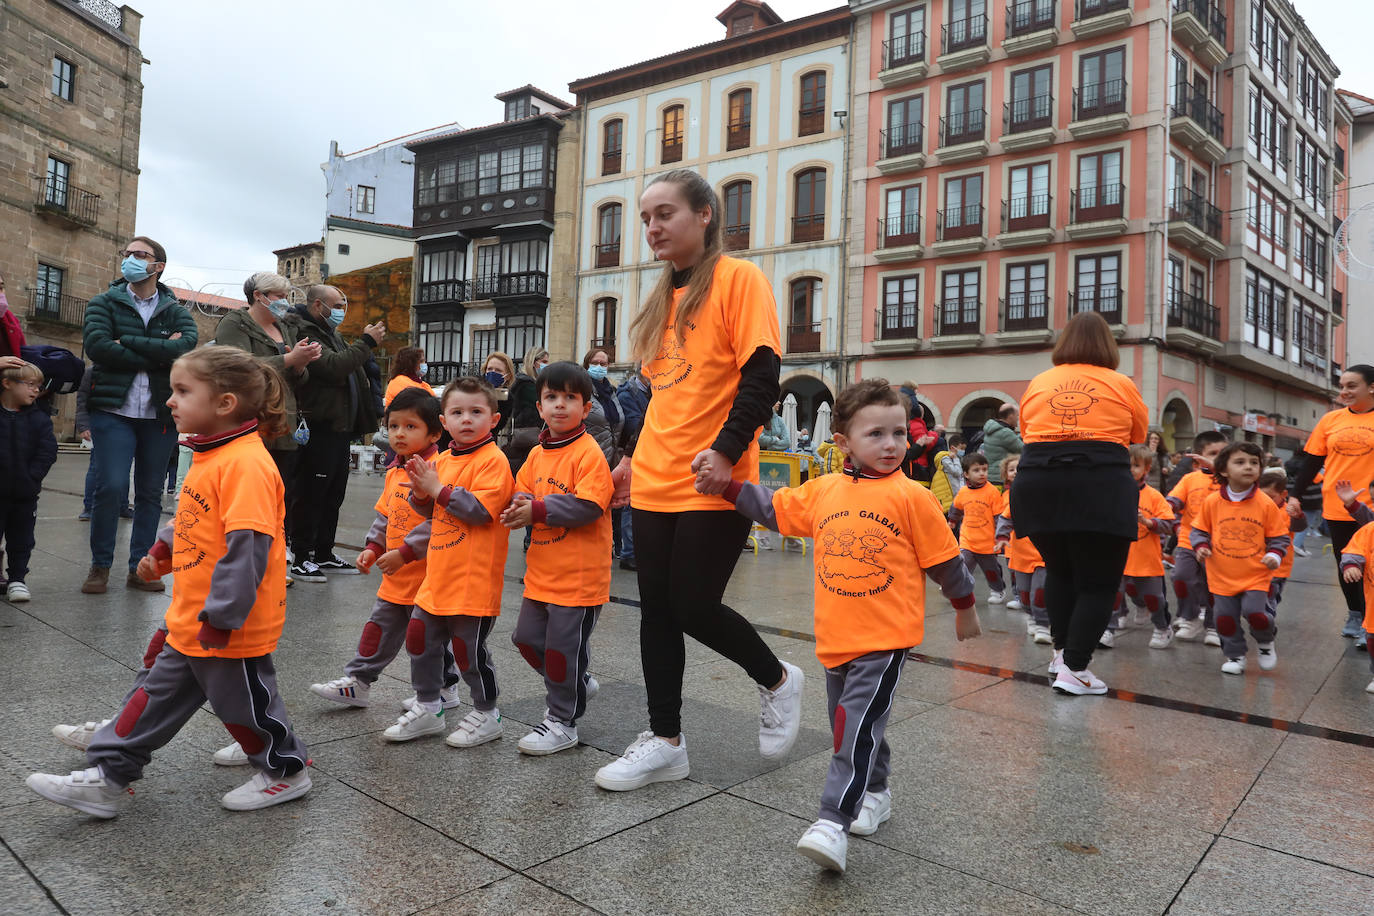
1000, 439
133, 333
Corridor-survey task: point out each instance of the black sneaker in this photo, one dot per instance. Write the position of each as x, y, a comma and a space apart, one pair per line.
336, 564
307, 571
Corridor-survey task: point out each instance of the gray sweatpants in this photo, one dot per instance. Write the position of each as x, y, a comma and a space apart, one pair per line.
382, 638
1146, 592
555, 641
1190, 586
1030, 588
242, 692
1253, 606
427, 636
1275, 594
989, 564
859, 694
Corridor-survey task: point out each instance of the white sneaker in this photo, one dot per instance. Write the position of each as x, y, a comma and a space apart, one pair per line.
1015, 605
476, 728
1268, 658
1369, 688
346, 691
1041, 636
230, 756
548, 737
416, 723
17, 592
85, 790
780, 714
1190, 629
1212, 638
1233, 666
1302, 551
993, 598
263, 791
593, 687
1107, 640
1030, 626
648, 759
1162, 639
77, 736
1140, 617
1078, 683
448, 696
877, 808
825, 843
1057, 661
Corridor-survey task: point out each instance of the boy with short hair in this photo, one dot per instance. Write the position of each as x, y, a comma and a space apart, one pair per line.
564, 491
875, 531
974, 515
1143, 579
463, 493
1274, 484
30, 448
1190, 575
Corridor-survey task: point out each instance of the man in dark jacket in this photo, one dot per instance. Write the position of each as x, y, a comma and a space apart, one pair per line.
336, 403
632, 397
133, 333
1001, 439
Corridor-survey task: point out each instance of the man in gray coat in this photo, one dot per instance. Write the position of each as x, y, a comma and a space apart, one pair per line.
1001, 439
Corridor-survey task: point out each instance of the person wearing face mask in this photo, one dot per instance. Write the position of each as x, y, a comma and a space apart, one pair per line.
499, 371
525, 422
408, 370
603, 422
133, 332
336, 404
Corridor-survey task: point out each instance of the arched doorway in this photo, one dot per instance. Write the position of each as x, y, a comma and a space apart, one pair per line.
1177, 424
810, 393
977, 413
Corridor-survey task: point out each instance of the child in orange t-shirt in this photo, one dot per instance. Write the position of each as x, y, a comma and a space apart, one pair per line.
463, 493
1357, 560
974, 515
876, 531
1242, 536
226, 551
564, 491
1190, 575
396, 544
1026, 565
1274, 484
1143, 579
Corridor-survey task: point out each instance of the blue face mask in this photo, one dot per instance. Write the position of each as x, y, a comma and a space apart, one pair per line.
496, 379
133, 269
336, 317
278, 307
424, 368
597, 372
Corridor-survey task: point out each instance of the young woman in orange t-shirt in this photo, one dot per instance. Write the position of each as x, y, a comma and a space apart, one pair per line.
709, 340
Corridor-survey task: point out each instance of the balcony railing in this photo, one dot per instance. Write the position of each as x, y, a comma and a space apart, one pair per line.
1026, 311
1086, 9
76, 204
965, 33
811, 121
1029, 16
804, 338
1105, 300
959, 316
896, 231
1027, 211
737, 135
1096, 100
1194, 314
610, 162
809, 228
898, 321
437, 291
903, 139
963, 127
671, 151
605, 344
736, 238
1031, 113
1208, 13
57, 308
1196, 210
959, 223
105, 11
1189, 103
525, 283
608, 254
1097, 202
903, 50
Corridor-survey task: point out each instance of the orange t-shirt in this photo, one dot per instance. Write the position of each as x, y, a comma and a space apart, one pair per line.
401, 383
1362, 544
466, 563
570, 567
694, 386
1346, 439
873, 540
1191, 490
980, 506
401, 519
232, 487
1238, 531
1147, 557
1076, 401
1021, 554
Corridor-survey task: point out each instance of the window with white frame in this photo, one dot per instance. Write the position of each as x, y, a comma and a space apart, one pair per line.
1266, 312
1266, 223
1309, 336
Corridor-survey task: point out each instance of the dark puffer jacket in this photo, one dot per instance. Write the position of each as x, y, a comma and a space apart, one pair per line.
337, 394
121, 347
28, 447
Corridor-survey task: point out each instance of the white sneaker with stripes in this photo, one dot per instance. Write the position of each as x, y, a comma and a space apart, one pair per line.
263, 791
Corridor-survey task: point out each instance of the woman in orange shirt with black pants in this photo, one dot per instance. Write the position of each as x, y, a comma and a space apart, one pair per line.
1074, 495
709, 340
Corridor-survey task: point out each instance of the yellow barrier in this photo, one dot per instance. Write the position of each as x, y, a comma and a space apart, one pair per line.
777, 471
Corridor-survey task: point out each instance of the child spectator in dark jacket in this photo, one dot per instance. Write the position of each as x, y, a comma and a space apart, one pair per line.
29, 449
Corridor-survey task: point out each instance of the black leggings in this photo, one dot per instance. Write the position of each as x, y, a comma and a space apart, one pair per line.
1082, 574
685, 560
1341, 533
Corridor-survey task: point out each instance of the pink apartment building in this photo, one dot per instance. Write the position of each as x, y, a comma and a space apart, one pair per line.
1167, 164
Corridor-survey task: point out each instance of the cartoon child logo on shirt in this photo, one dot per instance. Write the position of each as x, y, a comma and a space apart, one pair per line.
185, 521
1069, 402
850, 562
1353, 442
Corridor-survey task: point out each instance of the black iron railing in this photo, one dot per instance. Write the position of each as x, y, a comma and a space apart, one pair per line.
1030, 113
1026, 311
903, 50
965, 33
903, 139
1197, 211
1190, 103
1029, 16
1105, 300
959, 316
1097, 202
51, 305
1208, 13
899, 321
903, 229
1086, 9
1195, 314
77, 204
1096, 100
959, 222
437, 291
1027, 211
963, 127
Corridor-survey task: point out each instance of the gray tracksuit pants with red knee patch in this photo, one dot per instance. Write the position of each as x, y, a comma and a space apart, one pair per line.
1146, 592
859, 694
428, 636
381, 640
242, 692
1190, 586
989, 564
1030, 588
554, 640
1254, 607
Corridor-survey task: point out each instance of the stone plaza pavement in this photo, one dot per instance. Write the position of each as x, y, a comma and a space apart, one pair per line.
1185, 791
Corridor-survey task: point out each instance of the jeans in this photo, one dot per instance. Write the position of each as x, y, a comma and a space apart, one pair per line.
92, 481
627, 534
145, 446
1314, 518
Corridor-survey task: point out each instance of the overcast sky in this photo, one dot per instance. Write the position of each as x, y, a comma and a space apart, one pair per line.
241, 100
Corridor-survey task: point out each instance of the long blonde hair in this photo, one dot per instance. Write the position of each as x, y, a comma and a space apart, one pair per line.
532, 357
646, 331
260, 390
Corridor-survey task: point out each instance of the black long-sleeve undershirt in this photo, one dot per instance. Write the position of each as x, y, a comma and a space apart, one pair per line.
753, 404
1311, 464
